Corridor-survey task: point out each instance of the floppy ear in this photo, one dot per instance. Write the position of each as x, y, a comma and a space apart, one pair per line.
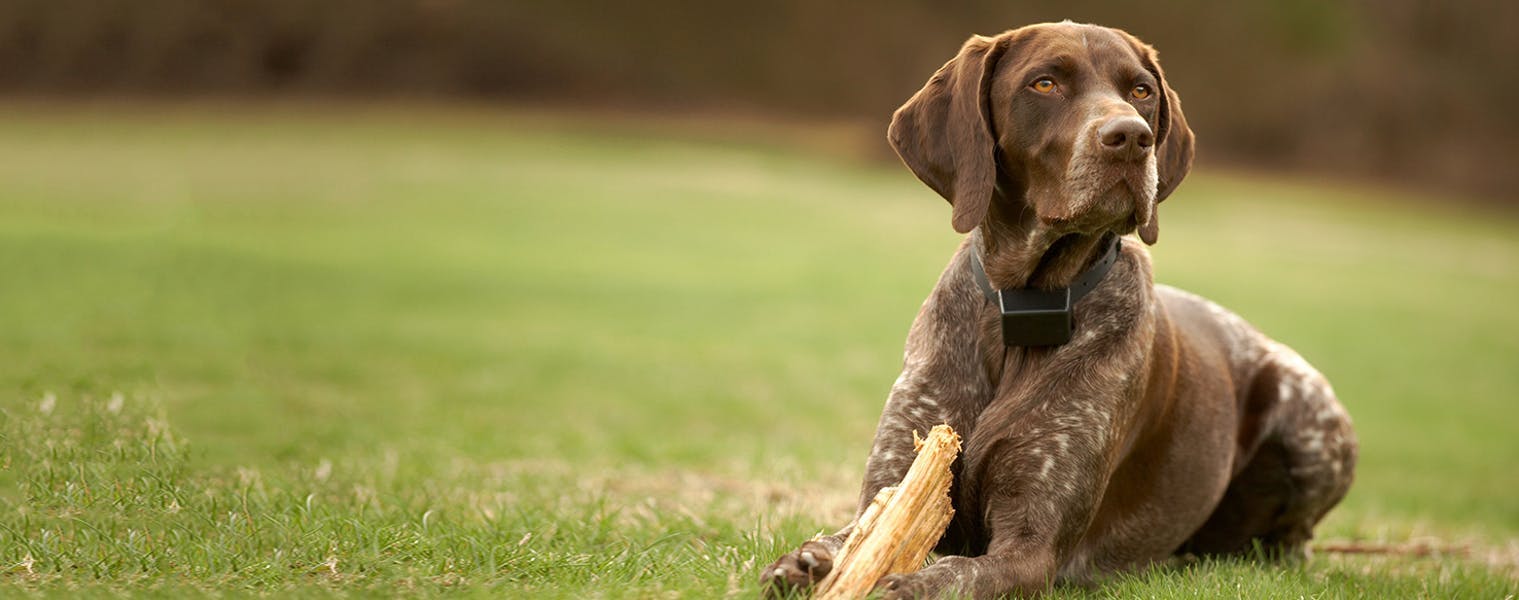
1173, 144
943, 133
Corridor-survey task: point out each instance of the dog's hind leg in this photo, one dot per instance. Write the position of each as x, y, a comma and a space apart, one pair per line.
1301, 465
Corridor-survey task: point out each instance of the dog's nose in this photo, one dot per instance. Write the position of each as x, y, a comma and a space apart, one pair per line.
1125, 138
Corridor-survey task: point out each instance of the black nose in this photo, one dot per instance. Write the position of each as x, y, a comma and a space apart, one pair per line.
1125, 138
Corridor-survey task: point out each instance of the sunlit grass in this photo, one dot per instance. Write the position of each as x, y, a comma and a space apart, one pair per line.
329, 350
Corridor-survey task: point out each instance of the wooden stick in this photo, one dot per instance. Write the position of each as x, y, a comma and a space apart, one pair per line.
901, 525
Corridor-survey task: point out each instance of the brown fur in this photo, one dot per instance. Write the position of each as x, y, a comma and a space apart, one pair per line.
1166, 425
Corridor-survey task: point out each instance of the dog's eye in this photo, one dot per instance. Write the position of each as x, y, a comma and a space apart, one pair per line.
1043, 85
1140, 92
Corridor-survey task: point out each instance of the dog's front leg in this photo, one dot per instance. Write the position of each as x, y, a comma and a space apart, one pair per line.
1034, 470
937, 385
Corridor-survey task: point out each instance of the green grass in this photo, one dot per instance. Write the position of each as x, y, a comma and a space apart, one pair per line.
330, 351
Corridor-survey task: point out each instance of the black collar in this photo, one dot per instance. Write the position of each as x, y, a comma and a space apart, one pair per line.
1042, 317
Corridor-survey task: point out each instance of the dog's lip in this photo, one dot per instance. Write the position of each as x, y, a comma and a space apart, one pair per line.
1117, 196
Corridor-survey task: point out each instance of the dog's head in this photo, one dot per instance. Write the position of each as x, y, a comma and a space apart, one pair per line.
1077, 121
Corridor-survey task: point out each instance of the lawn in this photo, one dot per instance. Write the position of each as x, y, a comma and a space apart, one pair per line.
333, 350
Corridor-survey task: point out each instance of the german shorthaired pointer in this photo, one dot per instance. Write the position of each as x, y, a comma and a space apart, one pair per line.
1155, 422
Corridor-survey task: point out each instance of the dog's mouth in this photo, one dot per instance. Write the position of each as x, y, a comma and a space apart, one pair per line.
1106, 196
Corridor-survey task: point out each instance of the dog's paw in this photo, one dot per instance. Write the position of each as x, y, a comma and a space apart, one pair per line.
938, 580
900, 587
797, 570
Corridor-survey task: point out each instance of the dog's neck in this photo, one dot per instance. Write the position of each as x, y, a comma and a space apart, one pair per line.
1019, 252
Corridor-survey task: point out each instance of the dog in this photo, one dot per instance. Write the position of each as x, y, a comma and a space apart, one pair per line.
1164, 425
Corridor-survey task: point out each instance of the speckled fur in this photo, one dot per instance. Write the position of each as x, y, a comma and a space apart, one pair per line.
1167, 424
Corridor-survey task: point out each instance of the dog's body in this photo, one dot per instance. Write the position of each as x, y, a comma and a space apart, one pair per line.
1167, 424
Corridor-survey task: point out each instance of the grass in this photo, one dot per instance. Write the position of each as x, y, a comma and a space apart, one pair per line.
327, 352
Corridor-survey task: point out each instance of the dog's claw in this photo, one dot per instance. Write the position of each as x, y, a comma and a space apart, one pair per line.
797, 570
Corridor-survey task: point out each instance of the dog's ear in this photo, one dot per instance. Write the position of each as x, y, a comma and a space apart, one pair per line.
943, 133
1173, 142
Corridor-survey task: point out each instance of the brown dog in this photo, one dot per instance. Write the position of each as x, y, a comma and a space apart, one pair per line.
1166, 424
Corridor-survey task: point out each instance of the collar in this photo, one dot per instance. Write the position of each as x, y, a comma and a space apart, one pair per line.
1042, 317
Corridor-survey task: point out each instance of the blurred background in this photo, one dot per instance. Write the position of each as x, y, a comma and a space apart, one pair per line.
1397, 90
589, 299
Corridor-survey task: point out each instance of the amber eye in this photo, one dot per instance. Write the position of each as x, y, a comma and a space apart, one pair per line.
1140, 92
1044, 85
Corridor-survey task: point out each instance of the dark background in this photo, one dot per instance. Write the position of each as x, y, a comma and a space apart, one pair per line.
1411, 92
